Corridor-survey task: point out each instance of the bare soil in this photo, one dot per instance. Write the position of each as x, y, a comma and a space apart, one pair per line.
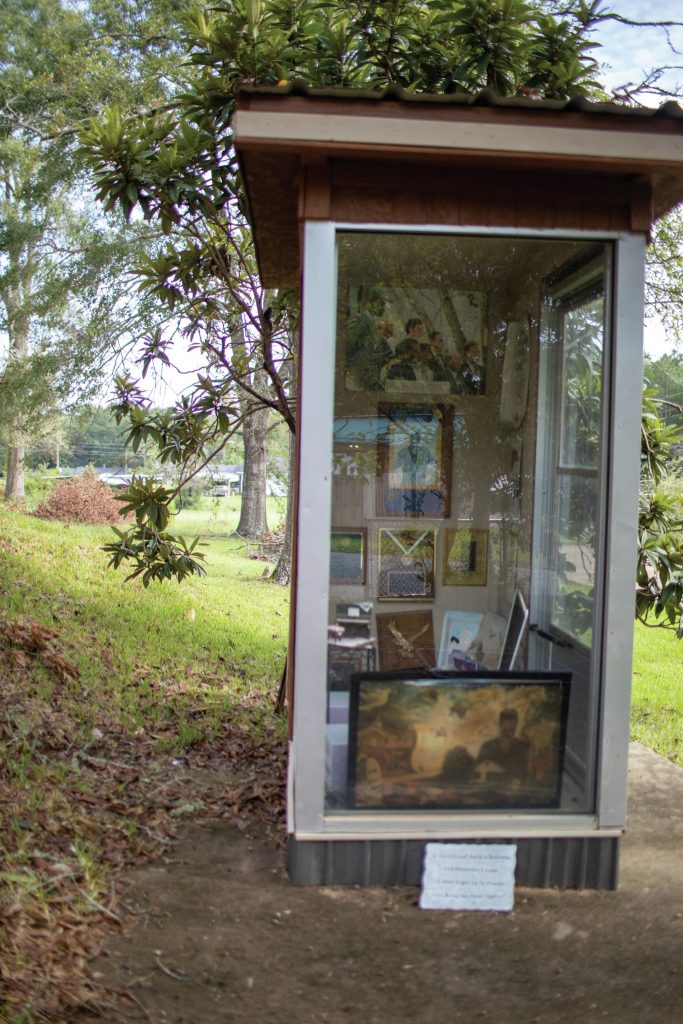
223, 936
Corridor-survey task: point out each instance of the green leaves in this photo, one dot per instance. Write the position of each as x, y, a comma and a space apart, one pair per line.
659, 575
155, 555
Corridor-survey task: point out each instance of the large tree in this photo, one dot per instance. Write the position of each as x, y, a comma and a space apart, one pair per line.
176, 166
64, 298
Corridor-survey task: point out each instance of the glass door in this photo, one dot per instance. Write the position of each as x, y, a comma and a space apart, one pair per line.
566, 578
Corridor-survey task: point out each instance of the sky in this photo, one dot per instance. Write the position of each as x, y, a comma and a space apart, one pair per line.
627, 55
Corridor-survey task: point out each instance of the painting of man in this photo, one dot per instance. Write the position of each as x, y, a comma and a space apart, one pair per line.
507, 751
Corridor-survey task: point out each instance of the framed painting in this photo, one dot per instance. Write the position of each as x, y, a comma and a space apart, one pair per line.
405, 639
414, 463
458, 635
348, 552
460, 741
465, 557
406, 565
412, 341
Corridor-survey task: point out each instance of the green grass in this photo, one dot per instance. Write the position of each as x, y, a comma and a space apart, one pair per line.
224, 633
218, 517
657, 701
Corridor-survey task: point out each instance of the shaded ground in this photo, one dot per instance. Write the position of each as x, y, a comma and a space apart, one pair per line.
222, 936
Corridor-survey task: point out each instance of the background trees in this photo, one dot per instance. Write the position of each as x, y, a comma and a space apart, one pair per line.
176, 167
65, 301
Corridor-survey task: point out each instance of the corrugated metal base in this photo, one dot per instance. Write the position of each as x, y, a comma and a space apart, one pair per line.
541, 863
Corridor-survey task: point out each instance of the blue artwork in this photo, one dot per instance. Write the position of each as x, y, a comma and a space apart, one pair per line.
458, 635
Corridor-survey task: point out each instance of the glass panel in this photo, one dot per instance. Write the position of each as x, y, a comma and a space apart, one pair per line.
576, 564
467, 413
582, 384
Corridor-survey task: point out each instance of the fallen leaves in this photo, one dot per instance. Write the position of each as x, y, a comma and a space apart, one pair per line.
82, 499
84, 798
26, 640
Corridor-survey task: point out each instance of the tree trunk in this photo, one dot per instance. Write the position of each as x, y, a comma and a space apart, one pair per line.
16, 300
14, 485
253, 523
282, 573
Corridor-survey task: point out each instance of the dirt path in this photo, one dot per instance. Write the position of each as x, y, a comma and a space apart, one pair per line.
224, 937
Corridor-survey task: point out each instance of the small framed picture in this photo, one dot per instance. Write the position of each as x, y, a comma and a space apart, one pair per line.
465, 557
458, 636
461, 740
415, 461
406, 565
348, 556
405, 639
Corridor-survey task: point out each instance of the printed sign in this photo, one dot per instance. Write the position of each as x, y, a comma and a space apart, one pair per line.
469, 876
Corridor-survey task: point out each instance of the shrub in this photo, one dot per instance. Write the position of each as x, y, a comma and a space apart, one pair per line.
84, 499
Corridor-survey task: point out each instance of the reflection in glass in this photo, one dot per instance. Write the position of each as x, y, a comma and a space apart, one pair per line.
465, 465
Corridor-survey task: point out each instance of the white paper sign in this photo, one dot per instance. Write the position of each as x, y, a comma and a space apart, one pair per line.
469, 876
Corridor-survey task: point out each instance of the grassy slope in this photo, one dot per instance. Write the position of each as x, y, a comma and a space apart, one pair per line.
119, 634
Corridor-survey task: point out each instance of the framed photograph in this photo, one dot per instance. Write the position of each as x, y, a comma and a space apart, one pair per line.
458, 635
465, 557
405, 639
413, 341
460, 741
348, 556
406, 565
414, 462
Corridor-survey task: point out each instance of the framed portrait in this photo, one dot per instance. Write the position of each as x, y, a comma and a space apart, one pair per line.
459, 633
348, 552
461, 741
414, 463
465, 557
405, 639
412, 341
406, 565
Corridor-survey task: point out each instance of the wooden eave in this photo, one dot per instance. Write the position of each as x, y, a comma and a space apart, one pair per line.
301, 153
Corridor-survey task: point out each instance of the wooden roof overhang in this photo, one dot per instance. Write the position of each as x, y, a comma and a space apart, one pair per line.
358, 156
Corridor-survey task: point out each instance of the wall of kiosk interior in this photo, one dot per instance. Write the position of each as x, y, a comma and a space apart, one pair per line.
468, 420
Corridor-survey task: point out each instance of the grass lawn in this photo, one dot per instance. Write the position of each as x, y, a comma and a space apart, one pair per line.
121, 710
57, 575
657, 701
218, 517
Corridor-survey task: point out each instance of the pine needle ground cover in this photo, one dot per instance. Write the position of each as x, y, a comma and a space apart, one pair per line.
122, 712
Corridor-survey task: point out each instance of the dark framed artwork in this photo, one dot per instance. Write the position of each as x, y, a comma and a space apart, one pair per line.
446, 740
414, 463
465, 557
406, 564
348, 554
412, 341
405, 639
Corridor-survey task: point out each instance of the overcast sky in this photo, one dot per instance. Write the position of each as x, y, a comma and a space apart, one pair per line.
629, 54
